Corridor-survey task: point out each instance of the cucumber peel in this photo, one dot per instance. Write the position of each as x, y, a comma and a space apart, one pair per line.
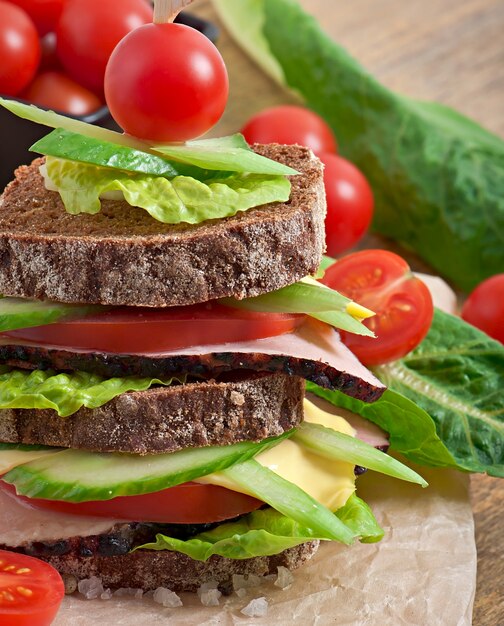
24, 313
81, 476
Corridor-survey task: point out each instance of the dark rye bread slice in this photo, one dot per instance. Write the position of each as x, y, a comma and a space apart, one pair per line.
166, 419
122, 256
149, 569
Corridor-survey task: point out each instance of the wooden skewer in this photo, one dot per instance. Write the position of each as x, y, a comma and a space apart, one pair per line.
167, 10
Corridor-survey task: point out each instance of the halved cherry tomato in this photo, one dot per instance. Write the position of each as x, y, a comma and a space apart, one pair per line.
139, 330
189, 503
31, 591
383, 282
290, 124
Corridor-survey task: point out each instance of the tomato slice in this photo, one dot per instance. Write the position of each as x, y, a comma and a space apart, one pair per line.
137, 329
31, 591
189, 503
383, 282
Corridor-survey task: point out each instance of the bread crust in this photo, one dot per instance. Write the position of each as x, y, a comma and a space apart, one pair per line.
122, 256
166, 419
149, 569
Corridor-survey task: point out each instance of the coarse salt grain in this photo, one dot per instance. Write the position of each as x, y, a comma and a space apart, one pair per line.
285, 578
128, 591
106, 595
256, 608
209, 594
91, 588
166, 597
245, 582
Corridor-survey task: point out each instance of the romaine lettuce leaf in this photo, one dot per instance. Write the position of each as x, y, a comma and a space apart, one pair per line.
411, 430
182, 199
66, 393
266, 532
456, 375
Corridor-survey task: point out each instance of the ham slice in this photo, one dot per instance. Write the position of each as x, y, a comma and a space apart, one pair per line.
313, 351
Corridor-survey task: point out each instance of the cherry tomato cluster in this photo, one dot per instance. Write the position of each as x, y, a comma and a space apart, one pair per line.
54, 52
349, 197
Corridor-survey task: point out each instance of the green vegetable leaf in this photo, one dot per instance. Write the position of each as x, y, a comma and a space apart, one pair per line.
266, 532
437, 177
182, 199
309, 297
411, 430
66, 393
231, 154
332, 444
457, 376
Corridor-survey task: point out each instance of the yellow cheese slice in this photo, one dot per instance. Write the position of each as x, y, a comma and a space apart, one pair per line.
329, 482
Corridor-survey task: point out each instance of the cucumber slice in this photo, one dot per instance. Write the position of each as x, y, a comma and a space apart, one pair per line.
334, 445
14, 454
23, 313
65, 144
79, 476
289, 500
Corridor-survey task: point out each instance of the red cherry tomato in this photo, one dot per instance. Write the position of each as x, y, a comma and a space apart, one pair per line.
383, 282
349, 204
484, 308
290, 124
175, 87
189, 503
136, 330
31, 591
89, 30
44, 13
54, 90
19, 49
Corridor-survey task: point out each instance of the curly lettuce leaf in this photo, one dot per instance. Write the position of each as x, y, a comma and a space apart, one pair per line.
266, 532
66, 393
182, 199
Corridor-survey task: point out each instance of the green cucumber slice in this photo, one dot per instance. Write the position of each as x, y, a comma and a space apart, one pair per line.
71, 146
289, 500
23, 313
80, 476
334, 445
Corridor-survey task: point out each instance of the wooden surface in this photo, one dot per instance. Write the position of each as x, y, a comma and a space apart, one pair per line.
446, 50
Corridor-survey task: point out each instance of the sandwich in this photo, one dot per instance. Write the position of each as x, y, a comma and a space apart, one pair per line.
154, 430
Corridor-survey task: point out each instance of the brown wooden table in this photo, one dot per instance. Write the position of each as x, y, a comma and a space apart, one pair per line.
446, 50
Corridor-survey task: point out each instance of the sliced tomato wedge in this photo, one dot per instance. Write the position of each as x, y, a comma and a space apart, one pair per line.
31, 591
137, 329
189, 503
383, 282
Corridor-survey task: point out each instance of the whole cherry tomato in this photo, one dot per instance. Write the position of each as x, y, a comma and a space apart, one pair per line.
484, 308
166, 82
290, 124
349, 204
89, 30
54, 90
19, 49
44, 13
383, 282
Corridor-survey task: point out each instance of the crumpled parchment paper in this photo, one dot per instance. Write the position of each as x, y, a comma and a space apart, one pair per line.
422, 573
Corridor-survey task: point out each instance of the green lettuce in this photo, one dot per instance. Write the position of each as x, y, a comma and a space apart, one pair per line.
411, 429
437, 176
182, 199
266, 532
66, 393
456, 375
